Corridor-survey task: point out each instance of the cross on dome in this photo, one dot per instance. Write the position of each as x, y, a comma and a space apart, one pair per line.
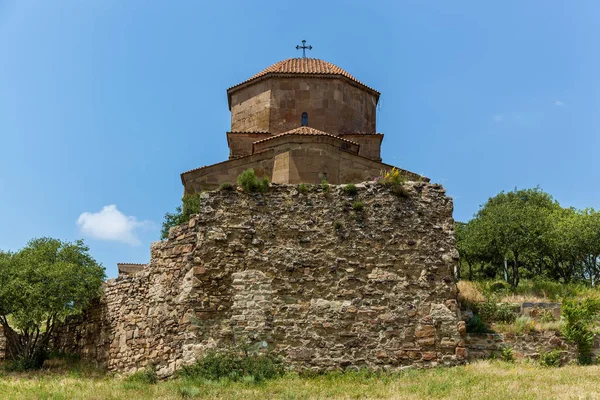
304, 47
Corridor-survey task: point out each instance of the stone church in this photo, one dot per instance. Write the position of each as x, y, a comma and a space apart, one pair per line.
301, 120
306, 274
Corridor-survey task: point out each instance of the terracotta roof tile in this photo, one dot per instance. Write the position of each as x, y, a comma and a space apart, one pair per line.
131, 264
304, 131
304, 66
361, 133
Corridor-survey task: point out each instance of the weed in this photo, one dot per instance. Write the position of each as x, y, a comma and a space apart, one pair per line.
188, 391
325, 185
524, 325
338, 225
146, 375
490, 311
476, 325
546, 316
226, 186
551, 358
358, 205
235, 365
303, 188
579, 316
506, 354
250, 183
351, 189
400, 191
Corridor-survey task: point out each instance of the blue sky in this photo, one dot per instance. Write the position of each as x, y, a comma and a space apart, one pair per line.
104, 103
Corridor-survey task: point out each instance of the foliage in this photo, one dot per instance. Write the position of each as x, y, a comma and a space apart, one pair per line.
235, 365
302, 188
250, 183
351, 189
579, 315
476, 325
325, 185
490, 311
338, 225
506, 354
551, 358
478, 380
523, 325
526, 234
358, 205
226, 186
395, 180
147, 375
40, 286
190, 205
400, 191
392, 177
546, 316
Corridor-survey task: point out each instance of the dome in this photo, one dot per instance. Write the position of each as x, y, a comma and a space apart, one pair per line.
303, 67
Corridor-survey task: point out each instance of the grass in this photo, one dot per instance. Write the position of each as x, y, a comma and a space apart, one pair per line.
535, 291
486, 379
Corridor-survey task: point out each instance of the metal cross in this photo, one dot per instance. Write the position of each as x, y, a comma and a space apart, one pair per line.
304, 47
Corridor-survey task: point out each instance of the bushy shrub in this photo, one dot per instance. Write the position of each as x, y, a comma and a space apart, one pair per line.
400, 191
226, 186
546, 316
235, 365
351, 189
358, 205
524, 325
476, 325
190, 204
579, 315
393, 177
147, 375
395, 181
506, 354
250, 183
325, 185
338, 225
490, 311
551, 358
303, 188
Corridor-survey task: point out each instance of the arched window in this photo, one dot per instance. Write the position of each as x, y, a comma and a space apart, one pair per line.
304, 119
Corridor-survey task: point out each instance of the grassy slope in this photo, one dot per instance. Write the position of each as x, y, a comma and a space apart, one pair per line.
482, 380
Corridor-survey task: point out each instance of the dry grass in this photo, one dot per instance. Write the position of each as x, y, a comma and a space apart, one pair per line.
482, 380
524, 298
469, 292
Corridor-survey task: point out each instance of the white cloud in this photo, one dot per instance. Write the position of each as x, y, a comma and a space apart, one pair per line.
111, 224
558, 103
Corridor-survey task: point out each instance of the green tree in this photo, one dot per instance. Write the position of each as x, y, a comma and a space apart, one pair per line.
40, 286
511, 228
190, 205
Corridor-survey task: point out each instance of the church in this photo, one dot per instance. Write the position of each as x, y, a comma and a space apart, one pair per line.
321, 278
301, 120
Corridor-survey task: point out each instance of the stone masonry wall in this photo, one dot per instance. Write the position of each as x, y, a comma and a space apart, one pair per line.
275, 105
305, 275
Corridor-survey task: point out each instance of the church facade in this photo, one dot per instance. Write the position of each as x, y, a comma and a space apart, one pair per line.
301, 120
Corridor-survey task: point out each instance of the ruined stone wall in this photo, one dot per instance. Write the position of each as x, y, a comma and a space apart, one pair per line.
319, 283
530, 346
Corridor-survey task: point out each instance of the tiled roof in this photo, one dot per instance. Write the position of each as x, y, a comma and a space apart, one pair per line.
132, 264
304, 131
304, 66
361, 133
